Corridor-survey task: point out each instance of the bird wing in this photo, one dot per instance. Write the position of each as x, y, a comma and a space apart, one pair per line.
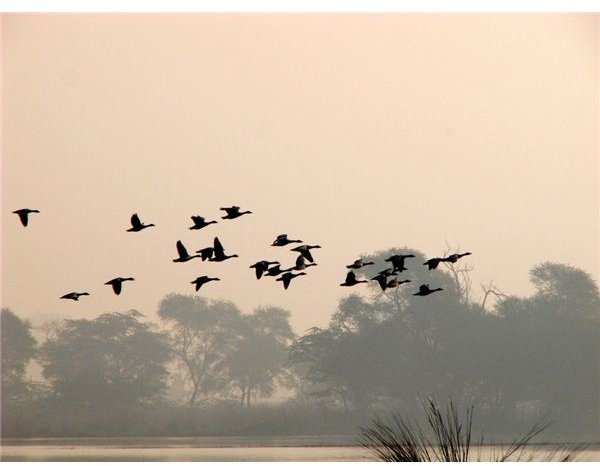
116, 286
423, 289
135, 221
350, 277
181, 250
306, 253
300, 262
206, 253
218, 247
23, 216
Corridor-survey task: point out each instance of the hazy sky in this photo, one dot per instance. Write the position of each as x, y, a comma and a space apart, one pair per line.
356, 132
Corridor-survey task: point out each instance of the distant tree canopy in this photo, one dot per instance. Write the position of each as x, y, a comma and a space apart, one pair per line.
114, 358
17, 348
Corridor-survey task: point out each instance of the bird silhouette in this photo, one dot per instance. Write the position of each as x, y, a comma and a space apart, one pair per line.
287, 277
424, 290
358, 263
276, 270
389, 271
24, 215
183, 254
351, 280
219, 253
261, 267
202, 280
282, 240
301, 263
397, 261
394, 283
116, 283
234, 212
305, 251
434, 262
454, 257
200, 222
137, 225
74, 295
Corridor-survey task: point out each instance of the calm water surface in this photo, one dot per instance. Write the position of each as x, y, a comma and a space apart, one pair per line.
296, 448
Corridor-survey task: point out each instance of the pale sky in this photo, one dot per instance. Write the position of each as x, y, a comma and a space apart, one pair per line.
355, 132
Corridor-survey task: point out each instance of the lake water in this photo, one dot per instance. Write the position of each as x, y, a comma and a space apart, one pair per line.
295, 448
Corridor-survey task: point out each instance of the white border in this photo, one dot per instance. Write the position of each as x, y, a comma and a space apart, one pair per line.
291, 6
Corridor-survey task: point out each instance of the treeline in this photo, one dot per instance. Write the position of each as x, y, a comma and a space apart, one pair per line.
209, 369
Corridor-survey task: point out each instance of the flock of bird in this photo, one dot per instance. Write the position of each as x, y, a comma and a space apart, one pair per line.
387, 278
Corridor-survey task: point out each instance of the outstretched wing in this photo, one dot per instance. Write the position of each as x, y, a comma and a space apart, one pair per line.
116, 286
300, 262
181, 250
135, 221
306, 253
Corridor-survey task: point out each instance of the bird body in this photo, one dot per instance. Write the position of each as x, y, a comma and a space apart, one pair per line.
301, 263
74, 295
287, 277
454, 257
200, 222
183, 254
233, 212
206, 253
305, 251
276, 270
282, 240
434, 262
261, 267
351, 280
424, 290
358, 263
116, 283
219, 252
202, 280
24, 215
137, 225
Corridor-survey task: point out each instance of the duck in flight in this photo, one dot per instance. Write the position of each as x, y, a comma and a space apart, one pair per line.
382, 280
287, 277
454, 257
434, 262
116, 283
24, 215
74, 295
234, 212
397, 261
261, 267
351, 280
202, 280
358, 263
200, 222
424, 290
305, 251
219, 252
183, 254
301, 263
282, 240
137, 225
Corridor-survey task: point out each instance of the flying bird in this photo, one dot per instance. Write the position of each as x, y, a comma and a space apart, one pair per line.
137, 225
206, 253
395, 283
234, 212
382, 280
261, 267
397, 261
24, 215
287, 277
202, 280
116, 283
454, 257
74, 295
183, 254
200, 222
358, 263
219, 252
305, 251
351, 280
282, 240
424, 290
301, 263
389, 271
434, 262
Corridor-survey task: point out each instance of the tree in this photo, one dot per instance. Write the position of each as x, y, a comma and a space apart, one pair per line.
259, 357
202, 335
17, 348
113, 359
